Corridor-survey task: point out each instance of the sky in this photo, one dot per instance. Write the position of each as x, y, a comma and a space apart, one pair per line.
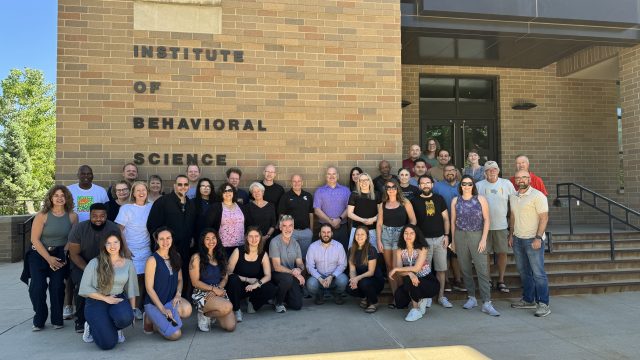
28, 36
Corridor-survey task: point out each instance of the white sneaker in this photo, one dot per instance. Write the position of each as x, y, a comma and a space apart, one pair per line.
203, 322
137, 314
471, 303
281, 309
121, 338
67, 312
239, 315
422, 305
428, 302
413, 315
488, 308
250, 309
445, 302
86, 335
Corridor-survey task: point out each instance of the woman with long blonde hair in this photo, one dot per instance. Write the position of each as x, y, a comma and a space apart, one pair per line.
108, 280
132, 220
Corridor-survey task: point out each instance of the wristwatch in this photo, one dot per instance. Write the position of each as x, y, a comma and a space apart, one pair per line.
259, 283
538, 237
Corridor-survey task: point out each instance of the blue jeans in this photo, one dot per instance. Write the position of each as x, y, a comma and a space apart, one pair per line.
338, 284
40, 271
530, 264
105, 320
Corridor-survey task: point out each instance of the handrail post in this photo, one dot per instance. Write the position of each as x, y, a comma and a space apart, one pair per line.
570, 212
611, 241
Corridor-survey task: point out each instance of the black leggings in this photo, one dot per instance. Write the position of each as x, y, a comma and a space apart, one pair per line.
369, 287
428, 287
258, 297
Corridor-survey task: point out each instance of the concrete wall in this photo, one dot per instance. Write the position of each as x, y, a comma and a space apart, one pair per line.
324, 78
10, 239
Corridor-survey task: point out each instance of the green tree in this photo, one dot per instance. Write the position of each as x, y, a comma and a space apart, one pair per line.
27, 111
15, 168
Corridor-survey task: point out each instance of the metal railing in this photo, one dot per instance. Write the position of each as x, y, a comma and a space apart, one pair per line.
24, 229
600, 203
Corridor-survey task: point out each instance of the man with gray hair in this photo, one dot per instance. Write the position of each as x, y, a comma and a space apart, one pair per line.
522, 164
286, 258
497, 191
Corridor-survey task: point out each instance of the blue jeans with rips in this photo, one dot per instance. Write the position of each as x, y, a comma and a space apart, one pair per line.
530, 264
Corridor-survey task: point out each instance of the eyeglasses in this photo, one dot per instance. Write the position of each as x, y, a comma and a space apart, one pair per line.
227, 190
392, 187
521, 177
205, 186
466, 183
122, 190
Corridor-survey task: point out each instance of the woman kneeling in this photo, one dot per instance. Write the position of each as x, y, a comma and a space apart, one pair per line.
164, 307
208, 272
105, 281
417, 283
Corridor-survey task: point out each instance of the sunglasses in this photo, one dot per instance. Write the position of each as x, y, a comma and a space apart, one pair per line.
183, 185
466, 183
227, 190
392, 187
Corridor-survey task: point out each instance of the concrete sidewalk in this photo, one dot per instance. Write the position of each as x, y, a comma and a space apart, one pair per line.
579, 327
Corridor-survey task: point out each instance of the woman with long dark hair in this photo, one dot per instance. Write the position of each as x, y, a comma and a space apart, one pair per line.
164, 306
108, 280
354, 175
205, 196
469, 231
208, 272
413, 273
47, 257
250, 274
365, 277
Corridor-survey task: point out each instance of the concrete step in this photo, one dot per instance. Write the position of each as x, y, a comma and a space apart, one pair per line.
591, 254
589, 264
595, 244
597, 236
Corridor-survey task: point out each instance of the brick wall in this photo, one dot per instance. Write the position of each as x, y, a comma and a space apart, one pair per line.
570, 137
10, 239
630, 104
324, 77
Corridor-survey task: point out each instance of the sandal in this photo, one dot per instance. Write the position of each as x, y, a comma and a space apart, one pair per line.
391, 306
364, 303
502, 287
371, 309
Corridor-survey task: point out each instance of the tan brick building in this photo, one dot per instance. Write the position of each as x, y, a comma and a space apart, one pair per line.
305, 84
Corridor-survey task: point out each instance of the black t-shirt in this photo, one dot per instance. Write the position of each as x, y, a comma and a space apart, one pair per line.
262, 217
395, 217
364, 207
410, 192
272, 193
363, 268
89, 239
113, 208
298, 206
429, 214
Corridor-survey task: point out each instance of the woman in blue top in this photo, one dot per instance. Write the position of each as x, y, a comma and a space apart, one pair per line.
208, 272
469, 230
164, 307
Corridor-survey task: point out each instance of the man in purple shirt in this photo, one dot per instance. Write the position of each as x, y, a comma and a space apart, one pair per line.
330, 206
326, 261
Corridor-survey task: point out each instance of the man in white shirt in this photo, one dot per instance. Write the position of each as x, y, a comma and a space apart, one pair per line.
85, 193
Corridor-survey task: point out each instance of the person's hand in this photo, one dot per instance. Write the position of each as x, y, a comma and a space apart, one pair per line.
327, 281
380, 246
112, 299
445, 242
301, 280
168, 313
55, 263
536, 244
353, 282
414, 279
296, 271
510, 240
452, 246
391, 273
482, 245
176, 301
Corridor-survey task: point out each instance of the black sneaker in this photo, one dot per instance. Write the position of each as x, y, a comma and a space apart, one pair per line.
457, 286
319, 299
79, 328
339, 300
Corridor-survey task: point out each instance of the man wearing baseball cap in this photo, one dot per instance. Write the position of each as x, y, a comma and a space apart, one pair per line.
497, 190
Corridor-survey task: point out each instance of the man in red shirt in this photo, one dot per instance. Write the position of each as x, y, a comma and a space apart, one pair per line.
414, 154
522, 163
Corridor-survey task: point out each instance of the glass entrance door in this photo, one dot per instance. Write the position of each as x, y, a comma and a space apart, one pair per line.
460, 136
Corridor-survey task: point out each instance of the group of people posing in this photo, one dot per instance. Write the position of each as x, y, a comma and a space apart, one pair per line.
132, 252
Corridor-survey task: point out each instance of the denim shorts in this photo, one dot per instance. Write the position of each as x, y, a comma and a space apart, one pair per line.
390, 236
